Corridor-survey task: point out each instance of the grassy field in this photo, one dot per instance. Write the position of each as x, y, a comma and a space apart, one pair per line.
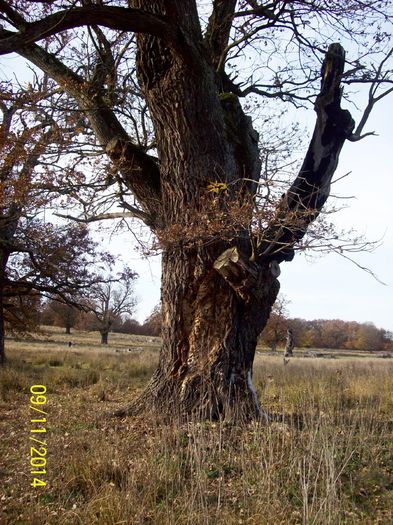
336, 467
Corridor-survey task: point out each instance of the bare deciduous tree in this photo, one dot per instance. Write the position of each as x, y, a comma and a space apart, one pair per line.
110, 300
196, 183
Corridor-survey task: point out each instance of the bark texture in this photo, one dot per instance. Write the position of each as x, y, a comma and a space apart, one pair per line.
209, 339
8, 225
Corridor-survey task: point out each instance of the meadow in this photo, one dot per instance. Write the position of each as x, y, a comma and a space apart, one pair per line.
326, 457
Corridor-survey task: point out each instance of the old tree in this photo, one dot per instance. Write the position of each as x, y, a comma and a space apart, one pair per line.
191, 167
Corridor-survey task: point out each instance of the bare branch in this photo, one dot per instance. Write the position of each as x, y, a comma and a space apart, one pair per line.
378, 79
140, 171
105, 216
120, 18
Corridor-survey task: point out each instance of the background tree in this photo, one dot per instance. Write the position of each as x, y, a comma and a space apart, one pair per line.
22, 313
369, 337
222, 231
60, 314
57, 262
110, 300
153, 324
130, 326
37, 257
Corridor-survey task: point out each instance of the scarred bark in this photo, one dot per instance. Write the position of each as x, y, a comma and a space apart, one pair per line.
209, 339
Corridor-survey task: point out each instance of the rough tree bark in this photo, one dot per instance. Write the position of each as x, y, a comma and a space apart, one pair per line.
215, 301
216, 295
8, 225
210, 323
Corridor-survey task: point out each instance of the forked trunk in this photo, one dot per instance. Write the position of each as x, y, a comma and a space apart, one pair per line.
218, 287
205, 142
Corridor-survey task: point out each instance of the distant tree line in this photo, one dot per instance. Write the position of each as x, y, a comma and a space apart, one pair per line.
326, 333
318, 333
58, 314
334, 333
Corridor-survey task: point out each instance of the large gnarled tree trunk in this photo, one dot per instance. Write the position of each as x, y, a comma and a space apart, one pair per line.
217, 294
209, 330
215, 301
209, 338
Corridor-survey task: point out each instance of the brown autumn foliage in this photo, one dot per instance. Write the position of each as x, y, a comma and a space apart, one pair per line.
37, 257
335, 333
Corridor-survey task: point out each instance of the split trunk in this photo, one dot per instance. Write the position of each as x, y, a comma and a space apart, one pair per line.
213, 310
217, 293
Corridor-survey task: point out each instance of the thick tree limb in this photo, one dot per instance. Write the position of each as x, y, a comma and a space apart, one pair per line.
308, 193
140, 171
219, 28
123, 19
